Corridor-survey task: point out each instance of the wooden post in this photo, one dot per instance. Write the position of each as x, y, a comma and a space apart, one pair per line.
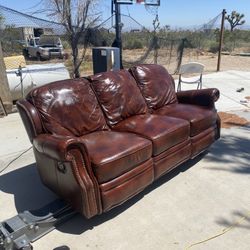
4, 86
221, 38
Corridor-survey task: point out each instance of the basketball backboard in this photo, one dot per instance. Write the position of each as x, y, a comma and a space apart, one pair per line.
124, 1
146, 2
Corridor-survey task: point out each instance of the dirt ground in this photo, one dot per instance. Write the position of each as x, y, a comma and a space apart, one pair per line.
229, 120
228, 62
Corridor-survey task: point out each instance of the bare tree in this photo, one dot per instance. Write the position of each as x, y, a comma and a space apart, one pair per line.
77, 16
1, 20
4, 86
235, 19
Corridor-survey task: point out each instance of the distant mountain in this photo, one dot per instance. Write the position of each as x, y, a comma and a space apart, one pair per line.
245, 27
203, 27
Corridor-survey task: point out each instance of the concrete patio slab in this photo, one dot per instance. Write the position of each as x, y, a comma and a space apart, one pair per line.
13, 137
194, 202
227, 82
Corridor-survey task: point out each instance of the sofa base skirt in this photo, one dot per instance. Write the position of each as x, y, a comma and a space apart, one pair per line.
203, 140
122, 188
171, 158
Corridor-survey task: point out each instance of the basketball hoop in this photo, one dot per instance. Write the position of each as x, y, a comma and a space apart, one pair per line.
151, 6
145, 2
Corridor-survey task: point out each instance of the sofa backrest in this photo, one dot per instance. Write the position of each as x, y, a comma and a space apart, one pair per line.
119, 95
155, 83
68, 108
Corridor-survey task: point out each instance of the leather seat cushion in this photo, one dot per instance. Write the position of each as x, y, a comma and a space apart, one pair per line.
114, 153
200, 118
163, 131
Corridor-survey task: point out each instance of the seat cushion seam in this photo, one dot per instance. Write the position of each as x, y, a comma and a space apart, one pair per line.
122, 157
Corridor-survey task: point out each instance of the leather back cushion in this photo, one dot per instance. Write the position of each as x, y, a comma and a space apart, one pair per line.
155, 83
118, 95
68, 107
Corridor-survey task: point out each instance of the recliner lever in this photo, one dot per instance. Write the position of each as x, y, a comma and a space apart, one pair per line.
61, 167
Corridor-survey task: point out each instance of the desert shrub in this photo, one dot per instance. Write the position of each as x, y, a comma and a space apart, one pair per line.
213, 47
133, 44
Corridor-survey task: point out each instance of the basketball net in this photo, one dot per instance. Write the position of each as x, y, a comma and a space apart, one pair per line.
152, 9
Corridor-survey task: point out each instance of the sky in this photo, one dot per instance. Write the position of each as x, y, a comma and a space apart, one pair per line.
177, 13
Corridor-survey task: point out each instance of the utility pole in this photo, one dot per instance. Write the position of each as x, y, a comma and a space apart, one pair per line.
4, 86
221, 38
118, 28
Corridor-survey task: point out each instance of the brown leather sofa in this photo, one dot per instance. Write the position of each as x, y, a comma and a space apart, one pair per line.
100, 140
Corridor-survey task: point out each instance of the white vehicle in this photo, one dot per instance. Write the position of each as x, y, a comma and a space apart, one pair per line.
44, 47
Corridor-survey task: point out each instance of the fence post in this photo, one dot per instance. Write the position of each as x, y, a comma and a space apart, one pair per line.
4, 86
180, 54
221, 38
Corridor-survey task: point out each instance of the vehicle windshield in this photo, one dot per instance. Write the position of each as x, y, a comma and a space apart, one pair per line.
50, 40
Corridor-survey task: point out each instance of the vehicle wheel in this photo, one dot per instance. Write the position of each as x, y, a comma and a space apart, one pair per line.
27, 247
25, 53
38, 56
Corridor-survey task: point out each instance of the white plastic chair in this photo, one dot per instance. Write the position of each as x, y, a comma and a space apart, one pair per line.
191, 73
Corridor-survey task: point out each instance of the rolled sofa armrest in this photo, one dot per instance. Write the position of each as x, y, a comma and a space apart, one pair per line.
57, 147
79, 177
202, 97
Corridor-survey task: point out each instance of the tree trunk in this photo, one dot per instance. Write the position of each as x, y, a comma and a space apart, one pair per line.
74, 47
4, 86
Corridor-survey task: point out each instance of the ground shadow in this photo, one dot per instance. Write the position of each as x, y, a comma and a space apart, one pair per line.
231, 149
78, 224
27, 188
30, 194
240, 220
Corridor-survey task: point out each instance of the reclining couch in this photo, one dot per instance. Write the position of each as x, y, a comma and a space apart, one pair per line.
100, 140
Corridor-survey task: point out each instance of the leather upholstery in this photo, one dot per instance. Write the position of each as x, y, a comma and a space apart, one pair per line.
30, 118
64, 164
156, 84
200, 118
81, 112
122, 188
56, 147
203, 140
113, 153
118, 95
95, 167
163, 131
171, 158
201, 97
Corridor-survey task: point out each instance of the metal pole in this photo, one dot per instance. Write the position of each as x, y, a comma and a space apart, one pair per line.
118, 28
21, 79
221, 39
